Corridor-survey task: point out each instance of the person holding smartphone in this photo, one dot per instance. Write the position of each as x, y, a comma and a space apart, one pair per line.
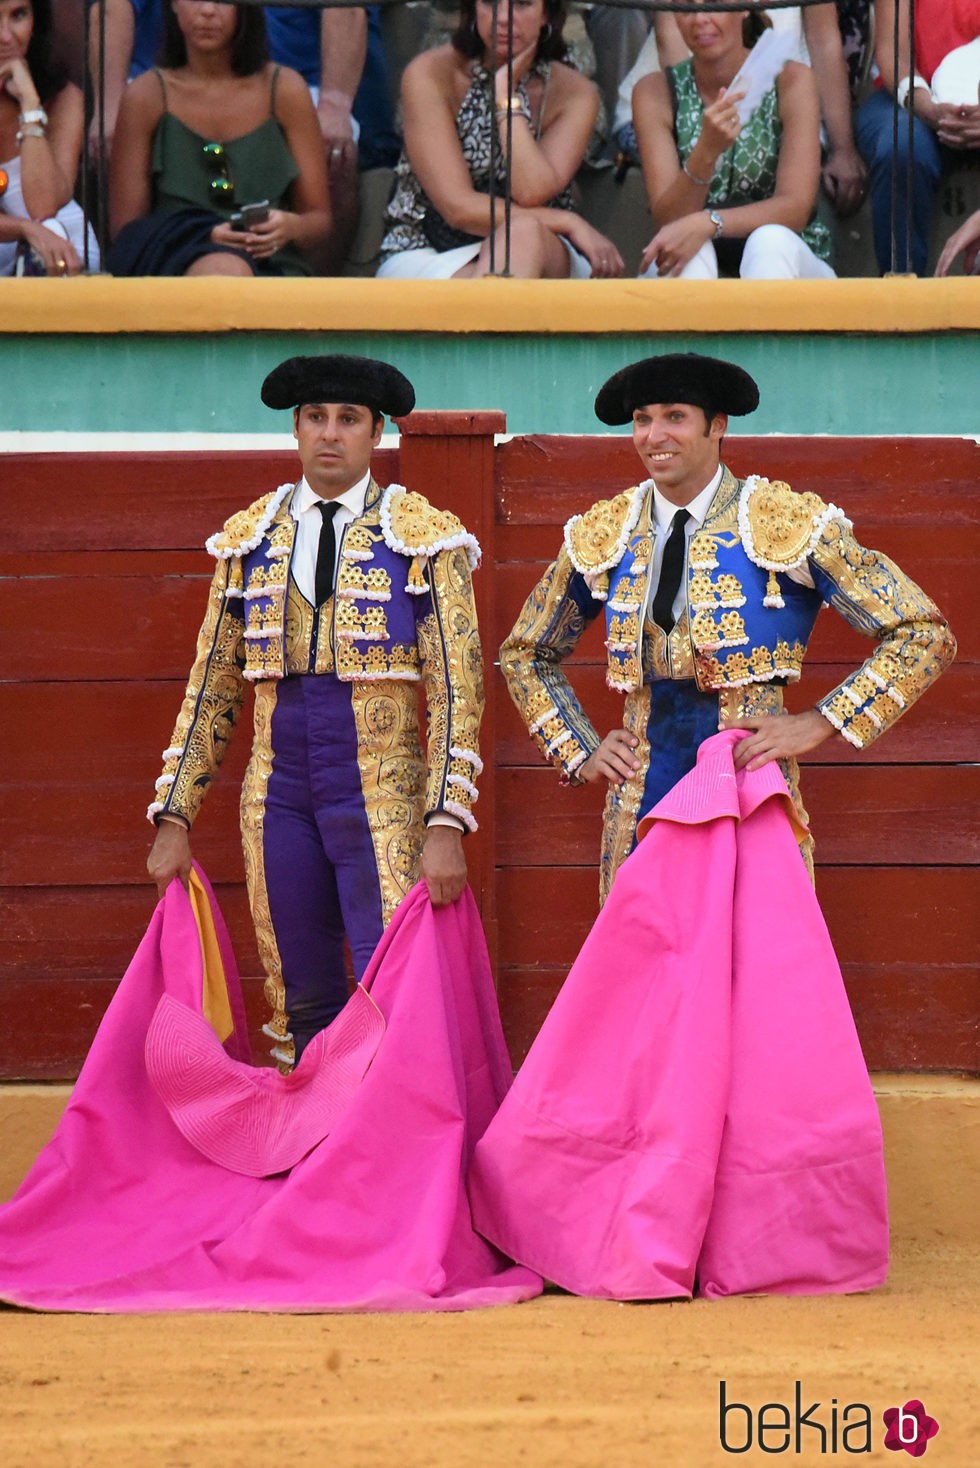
217, 164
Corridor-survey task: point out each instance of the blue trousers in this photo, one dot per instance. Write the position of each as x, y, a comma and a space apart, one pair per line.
873, 131
321, 872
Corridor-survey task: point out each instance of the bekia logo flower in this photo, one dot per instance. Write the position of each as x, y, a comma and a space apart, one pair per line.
909, 1427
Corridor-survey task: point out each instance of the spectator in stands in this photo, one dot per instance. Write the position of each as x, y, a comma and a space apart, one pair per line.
458, 114
42, 230
946, 127
339, 54
216, 129
819, 43
729, 198
966, 238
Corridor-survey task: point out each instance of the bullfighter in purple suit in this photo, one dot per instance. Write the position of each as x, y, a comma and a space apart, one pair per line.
335, 598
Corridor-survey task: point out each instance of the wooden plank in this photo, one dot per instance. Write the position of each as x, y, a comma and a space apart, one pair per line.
908, 941
139, 500
103, 627
893, 915
71, 935
909, 1019
884, 476
880, 814
50, 1026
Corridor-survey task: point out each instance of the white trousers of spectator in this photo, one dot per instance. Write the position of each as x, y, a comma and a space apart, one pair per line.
772, 252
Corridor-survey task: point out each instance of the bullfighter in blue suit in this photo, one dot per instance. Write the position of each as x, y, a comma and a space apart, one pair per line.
710, 586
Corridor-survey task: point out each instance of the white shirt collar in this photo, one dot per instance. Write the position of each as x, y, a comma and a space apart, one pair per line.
352, 499
664, 511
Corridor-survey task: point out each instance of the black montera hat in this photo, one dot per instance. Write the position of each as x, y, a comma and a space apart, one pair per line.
677, 377
339, 379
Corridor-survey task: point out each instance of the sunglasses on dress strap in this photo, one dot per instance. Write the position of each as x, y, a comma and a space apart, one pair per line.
216, 161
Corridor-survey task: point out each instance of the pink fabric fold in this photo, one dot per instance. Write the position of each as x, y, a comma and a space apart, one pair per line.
695, 1114
121, 1212
255, 1121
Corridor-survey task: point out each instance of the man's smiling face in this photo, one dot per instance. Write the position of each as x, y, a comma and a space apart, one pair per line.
680, 447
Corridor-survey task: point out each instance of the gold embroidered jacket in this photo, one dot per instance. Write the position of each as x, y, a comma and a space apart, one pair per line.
746, 622
402, 612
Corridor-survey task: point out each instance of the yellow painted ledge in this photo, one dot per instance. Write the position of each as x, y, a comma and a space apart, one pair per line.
101, 305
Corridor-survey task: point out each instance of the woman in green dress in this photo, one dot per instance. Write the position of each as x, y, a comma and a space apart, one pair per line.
727, 197
217, 162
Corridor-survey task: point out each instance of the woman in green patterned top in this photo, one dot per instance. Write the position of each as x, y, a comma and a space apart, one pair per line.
730, 198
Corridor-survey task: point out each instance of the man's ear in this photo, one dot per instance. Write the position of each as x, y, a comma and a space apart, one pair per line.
718, 427
379, 429
295, 423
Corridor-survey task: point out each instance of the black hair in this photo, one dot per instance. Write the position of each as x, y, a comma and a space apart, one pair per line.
754, 22
47, 71
551, 44
249, 49
377, 417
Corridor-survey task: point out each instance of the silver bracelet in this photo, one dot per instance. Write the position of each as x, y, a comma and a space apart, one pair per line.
36, 114
702, 183
34, 131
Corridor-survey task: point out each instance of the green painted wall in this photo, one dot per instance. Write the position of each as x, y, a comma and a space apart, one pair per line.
832, 384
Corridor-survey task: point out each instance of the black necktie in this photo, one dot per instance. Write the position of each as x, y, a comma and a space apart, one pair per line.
671, 569
326, 553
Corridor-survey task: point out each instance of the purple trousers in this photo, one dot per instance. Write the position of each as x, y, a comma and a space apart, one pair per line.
321, 873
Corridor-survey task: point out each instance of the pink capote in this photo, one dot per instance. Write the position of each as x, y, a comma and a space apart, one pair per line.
695, 1114
122, 1213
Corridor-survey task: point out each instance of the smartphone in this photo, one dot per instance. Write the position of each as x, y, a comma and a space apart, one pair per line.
249, 215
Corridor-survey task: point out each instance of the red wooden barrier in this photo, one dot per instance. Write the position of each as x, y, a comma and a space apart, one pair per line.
102, 587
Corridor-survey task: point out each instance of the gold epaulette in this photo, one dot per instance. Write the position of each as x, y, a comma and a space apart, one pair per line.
243, 531
597, 540
779, 527
415, 528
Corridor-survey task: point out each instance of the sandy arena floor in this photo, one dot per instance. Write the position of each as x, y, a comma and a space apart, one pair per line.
559, 1381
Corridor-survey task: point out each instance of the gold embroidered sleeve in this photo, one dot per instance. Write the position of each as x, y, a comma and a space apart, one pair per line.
914, 643
212, 702
547, 630
452, 672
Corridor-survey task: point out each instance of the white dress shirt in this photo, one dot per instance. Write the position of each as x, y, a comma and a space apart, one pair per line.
309, 522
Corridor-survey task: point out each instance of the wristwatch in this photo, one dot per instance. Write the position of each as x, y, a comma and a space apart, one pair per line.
36, 114
717, 221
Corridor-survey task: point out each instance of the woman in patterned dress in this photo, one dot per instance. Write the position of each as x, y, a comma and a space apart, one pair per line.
730, 198
457, 112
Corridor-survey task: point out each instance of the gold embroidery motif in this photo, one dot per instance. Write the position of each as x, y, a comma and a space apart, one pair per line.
211, 705
241, 529
782, 521
393, 777
597, 540
623, 801
254, 788
452, 663
418, 529
353, 623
